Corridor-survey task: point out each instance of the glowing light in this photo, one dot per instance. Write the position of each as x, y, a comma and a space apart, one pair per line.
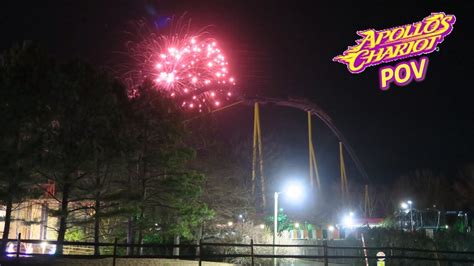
230, 223
187, 65
170, 78
262, 226
29, 248
52, 250
11, 249
162, 76
404, 205
348, 221
43, 246
294, 191
331, 228
297, 225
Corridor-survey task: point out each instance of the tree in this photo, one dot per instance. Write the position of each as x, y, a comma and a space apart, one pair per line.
26, 74
159, 188
464, 187
82, 107
226, 189
72, 124
98, 186
424, 188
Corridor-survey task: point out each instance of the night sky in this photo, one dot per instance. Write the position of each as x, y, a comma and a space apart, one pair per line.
285, 49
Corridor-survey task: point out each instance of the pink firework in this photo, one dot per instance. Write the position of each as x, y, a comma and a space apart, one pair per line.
191, 68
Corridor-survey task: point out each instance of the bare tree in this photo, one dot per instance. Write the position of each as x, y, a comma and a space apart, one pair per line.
424, 188
464, 187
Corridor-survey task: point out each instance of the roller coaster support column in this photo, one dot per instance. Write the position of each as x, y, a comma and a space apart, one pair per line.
344, 185
313, 166
258, 155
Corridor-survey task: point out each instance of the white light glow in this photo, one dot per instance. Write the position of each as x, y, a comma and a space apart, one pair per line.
348, 221
404, 205
11, 249
294, 191
52, 250
43, 246
29, 248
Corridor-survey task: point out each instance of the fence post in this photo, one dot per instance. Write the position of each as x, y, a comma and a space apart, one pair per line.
391, 253
325, 252
18, 245
115, 252
200, 251
251, 251
176, 248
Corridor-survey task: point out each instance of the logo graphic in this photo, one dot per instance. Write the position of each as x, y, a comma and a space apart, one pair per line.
383, 46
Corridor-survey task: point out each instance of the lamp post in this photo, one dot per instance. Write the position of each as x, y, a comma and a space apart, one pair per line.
293, 191
410, 203
275, 224
404, 207
408, 207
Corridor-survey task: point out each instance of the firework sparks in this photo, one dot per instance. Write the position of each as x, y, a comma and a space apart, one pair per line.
195, 70
190, 68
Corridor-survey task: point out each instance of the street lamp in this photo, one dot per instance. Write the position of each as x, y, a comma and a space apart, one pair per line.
404, 205
408, 207
410, 203
293, 192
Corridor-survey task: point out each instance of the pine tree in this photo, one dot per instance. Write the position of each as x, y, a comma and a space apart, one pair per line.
83, 110
25, 79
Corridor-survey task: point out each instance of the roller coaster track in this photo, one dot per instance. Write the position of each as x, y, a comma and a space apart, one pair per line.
307, 106
315, 110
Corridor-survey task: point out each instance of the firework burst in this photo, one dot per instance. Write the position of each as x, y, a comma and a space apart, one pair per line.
190, 67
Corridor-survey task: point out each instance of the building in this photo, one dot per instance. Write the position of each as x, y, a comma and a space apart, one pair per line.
33, 219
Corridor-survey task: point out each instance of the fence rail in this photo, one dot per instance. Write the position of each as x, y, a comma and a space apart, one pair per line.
198, 254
